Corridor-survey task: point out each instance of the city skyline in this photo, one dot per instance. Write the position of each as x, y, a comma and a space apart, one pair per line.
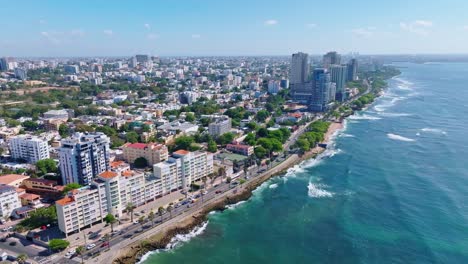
54, 29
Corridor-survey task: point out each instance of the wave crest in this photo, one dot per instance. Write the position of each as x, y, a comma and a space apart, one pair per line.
434, 130
399, 138
314, 191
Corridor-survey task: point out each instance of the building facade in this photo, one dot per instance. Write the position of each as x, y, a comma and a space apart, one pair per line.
331, 58
30, 148
320, 90
338, 74
220, 126
9, 200
352, 70
153, 153
83, 156
299, 68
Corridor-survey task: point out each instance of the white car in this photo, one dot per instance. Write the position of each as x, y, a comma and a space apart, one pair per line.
90, 246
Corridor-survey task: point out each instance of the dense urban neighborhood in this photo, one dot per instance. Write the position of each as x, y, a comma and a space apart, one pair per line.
96, 151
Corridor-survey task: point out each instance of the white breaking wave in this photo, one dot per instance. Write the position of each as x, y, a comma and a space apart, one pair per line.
434, 130
273, 186
418, 134
346, 135
400, 138
393, 114
364, 117
233, 206
177, 240
314, 191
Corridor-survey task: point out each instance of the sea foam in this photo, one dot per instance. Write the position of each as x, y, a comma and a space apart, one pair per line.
400, 138
315, 191
434, 130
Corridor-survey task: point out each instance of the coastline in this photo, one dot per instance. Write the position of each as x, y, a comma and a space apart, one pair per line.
139, 250
136, 251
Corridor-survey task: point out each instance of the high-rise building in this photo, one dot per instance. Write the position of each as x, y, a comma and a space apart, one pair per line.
7, 64
72, 69
142, 58
299, 68
321, 86
133, 62
352, 70
84, 156
338, 76
220, 126
284, 84
30, 148
183, 168
273, 87
331, 58
21, 73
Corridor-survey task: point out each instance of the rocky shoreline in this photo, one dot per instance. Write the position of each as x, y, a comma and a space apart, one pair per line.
162, 239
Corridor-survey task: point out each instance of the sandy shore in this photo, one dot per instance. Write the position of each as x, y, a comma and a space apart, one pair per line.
160, 237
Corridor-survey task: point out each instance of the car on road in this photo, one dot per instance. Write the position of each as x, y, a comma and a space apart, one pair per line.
136, 222
105, 244
90, 246
218, 191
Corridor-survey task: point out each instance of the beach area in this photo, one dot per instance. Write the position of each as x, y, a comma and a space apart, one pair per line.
160, 237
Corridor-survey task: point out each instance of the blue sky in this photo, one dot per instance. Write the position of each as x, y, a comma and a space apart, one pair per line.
243, 27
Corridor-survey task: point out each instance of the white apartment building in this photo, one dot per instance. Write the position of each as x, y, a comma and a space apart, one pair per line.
110, 193
183, 168
220, 126
84, 156
9, 200
29, 148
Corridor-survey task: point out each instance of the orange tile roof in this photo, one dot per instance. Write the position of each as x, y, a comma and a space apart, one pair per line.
20, 190
9, 178
182, 152
127, 173
108, 174
29, 196
115, 164
64, 201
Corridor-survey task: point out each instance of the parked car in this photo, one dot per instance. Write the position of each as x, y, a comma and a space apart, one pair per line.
90, 246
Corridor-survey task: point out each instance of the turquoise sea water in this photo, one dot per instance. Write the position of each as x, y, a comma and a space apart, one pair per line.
393, 189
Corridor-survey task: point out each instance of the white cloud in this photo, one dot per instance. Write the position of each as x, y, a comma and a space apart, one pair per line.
419, 27
363, 32
311, 25
152, 36
108, 32
147, 26
52, 36
77, 32
196, 36
271, 22
42, 21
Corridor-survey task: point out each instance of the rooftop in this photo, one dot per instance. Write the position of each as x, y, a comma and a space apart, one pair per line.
181, 152
136, 145
108, 175
64, 201
9, 178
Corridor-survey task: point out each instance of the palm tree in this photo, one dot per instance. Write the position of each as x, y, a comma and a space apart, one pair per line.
204, 179
161, 212
141, 220
169, 209
80, 250
129, 209
21, 258
110, 219
151, 217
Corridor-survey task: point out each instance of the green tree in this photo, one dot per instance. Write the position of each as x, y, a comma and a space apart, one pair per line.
111, 220
132, 137
183, 142
189, 117
161, 212
262, 115
250, 139
58, 244
225, 138
169, 209
140, 162
71, 186
64, 130
228, 179
303, 144
129, 208
80, 250
46, 166
260, 152
212, 147
21, 258
151, 217
30, 125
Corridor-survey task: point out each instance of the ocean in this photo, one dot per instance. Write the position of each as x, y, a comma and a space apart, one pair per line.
392, 188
